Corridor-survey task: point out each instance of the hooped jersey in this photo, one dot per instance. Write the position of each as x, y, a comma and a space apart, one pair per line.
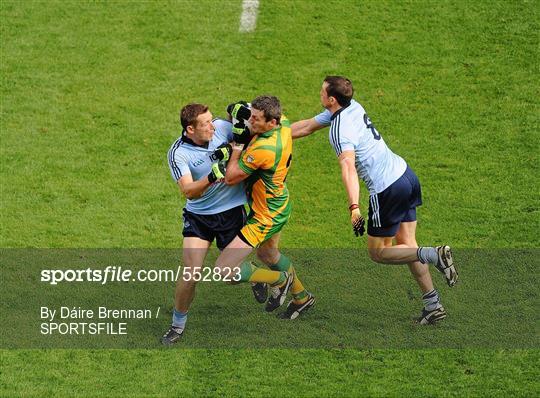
267, 160
351, 129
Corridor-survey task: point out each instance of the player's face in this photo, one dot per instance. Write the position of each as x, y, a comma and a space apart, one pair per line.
203, 130
258, 124
325, 99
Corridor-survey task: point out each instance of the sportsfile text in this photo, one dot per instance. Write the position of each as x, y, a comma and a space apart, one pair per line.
121, 274
109, 274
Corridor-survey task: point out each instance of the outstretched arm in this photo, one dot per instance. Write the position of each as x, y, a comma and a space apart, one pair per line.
305, 127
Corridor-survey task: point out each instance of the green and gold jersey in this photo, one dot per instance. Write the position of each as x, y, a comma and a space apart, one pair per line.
267, 160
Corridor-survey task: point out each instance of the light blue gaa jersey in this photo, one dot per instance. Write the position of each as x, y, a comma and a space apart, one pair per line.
351, 129
186, 157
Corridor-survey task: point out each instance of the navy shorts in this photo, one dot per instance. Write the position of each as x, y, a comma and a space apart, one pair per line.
222, 227
394, 205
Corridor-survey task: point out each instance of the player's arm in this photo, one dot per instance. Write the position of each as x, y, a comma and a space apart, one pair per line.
349, 177
234, 173
192, 189
303, 128
195, 189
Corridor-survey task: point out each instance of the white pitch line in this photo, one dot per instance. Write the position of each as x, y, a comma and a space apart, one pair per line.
248, 20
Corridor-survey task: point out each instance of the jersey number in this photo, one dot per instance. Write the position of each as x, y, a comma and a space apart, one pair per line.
288, 164
289, 161
370, 126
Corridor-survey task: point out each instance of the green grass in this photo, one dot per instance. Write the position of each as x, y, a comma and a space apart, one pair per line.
90, 94
342, 373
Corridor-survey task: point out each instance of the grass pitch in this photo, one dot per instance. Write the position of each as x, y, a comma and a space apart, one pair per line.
90, 94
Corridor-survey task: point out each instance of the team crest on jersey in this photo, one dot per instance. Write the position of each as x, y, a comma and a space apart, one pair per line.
250, 159
186, 223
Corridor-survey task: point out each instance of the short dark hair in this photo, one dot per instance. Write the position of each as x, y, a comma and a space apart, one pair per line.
189, 113
270, 106
340, 88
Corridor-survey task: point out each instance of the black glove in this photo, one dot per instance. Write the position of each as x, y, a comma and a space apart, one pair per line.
217, 173
357, 221
231, 106
222, 152
239, 110
241, 133
359, 226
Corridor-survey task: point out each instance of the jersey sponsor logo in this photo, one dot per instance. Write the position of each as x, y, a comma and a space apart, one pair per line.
198, 163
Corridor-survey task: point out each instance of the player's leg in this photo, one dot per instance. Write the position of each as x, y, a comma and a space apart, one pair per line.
440, 256
302, 300
231, 261
232, 265
387, 210
381, 251
433, 310
193, 254
406, 236
228, 225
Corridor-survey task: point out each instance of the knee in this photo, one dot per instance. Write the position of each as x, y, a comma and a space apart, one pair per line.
221, 269
190, 277
376, 254
227, 273
268, 257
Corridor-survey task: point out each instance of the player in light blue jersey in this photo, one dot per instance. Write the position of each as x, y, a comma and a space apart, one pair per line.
213, 209
393, 187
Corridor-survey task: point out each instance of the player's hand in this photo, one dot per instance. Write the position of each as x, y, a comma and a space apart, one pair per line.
222, 152
217, 173
358, 222
239, 110
231, 106
241, 133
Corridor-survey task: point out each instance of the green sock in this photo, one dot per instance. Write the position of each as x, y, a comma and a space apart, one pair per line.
298, 291
249, 272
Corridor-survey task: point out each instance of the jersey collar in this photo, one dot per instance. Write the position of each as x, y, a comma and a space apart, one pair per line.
189, 141
270, 132
340, 110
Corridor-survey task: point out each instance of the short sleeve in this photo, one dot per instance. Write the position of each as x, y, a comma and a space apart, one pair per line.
256, 157
324, 118
342, 135
178, 164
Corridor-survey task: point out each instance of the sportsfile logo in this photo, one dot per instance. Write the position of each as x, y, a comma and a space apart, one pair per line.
120, 274
109, 274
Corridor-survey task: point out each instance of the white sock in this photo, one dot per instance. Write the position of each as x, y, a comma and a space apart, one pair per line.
431, 300
179, 319
428, 255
